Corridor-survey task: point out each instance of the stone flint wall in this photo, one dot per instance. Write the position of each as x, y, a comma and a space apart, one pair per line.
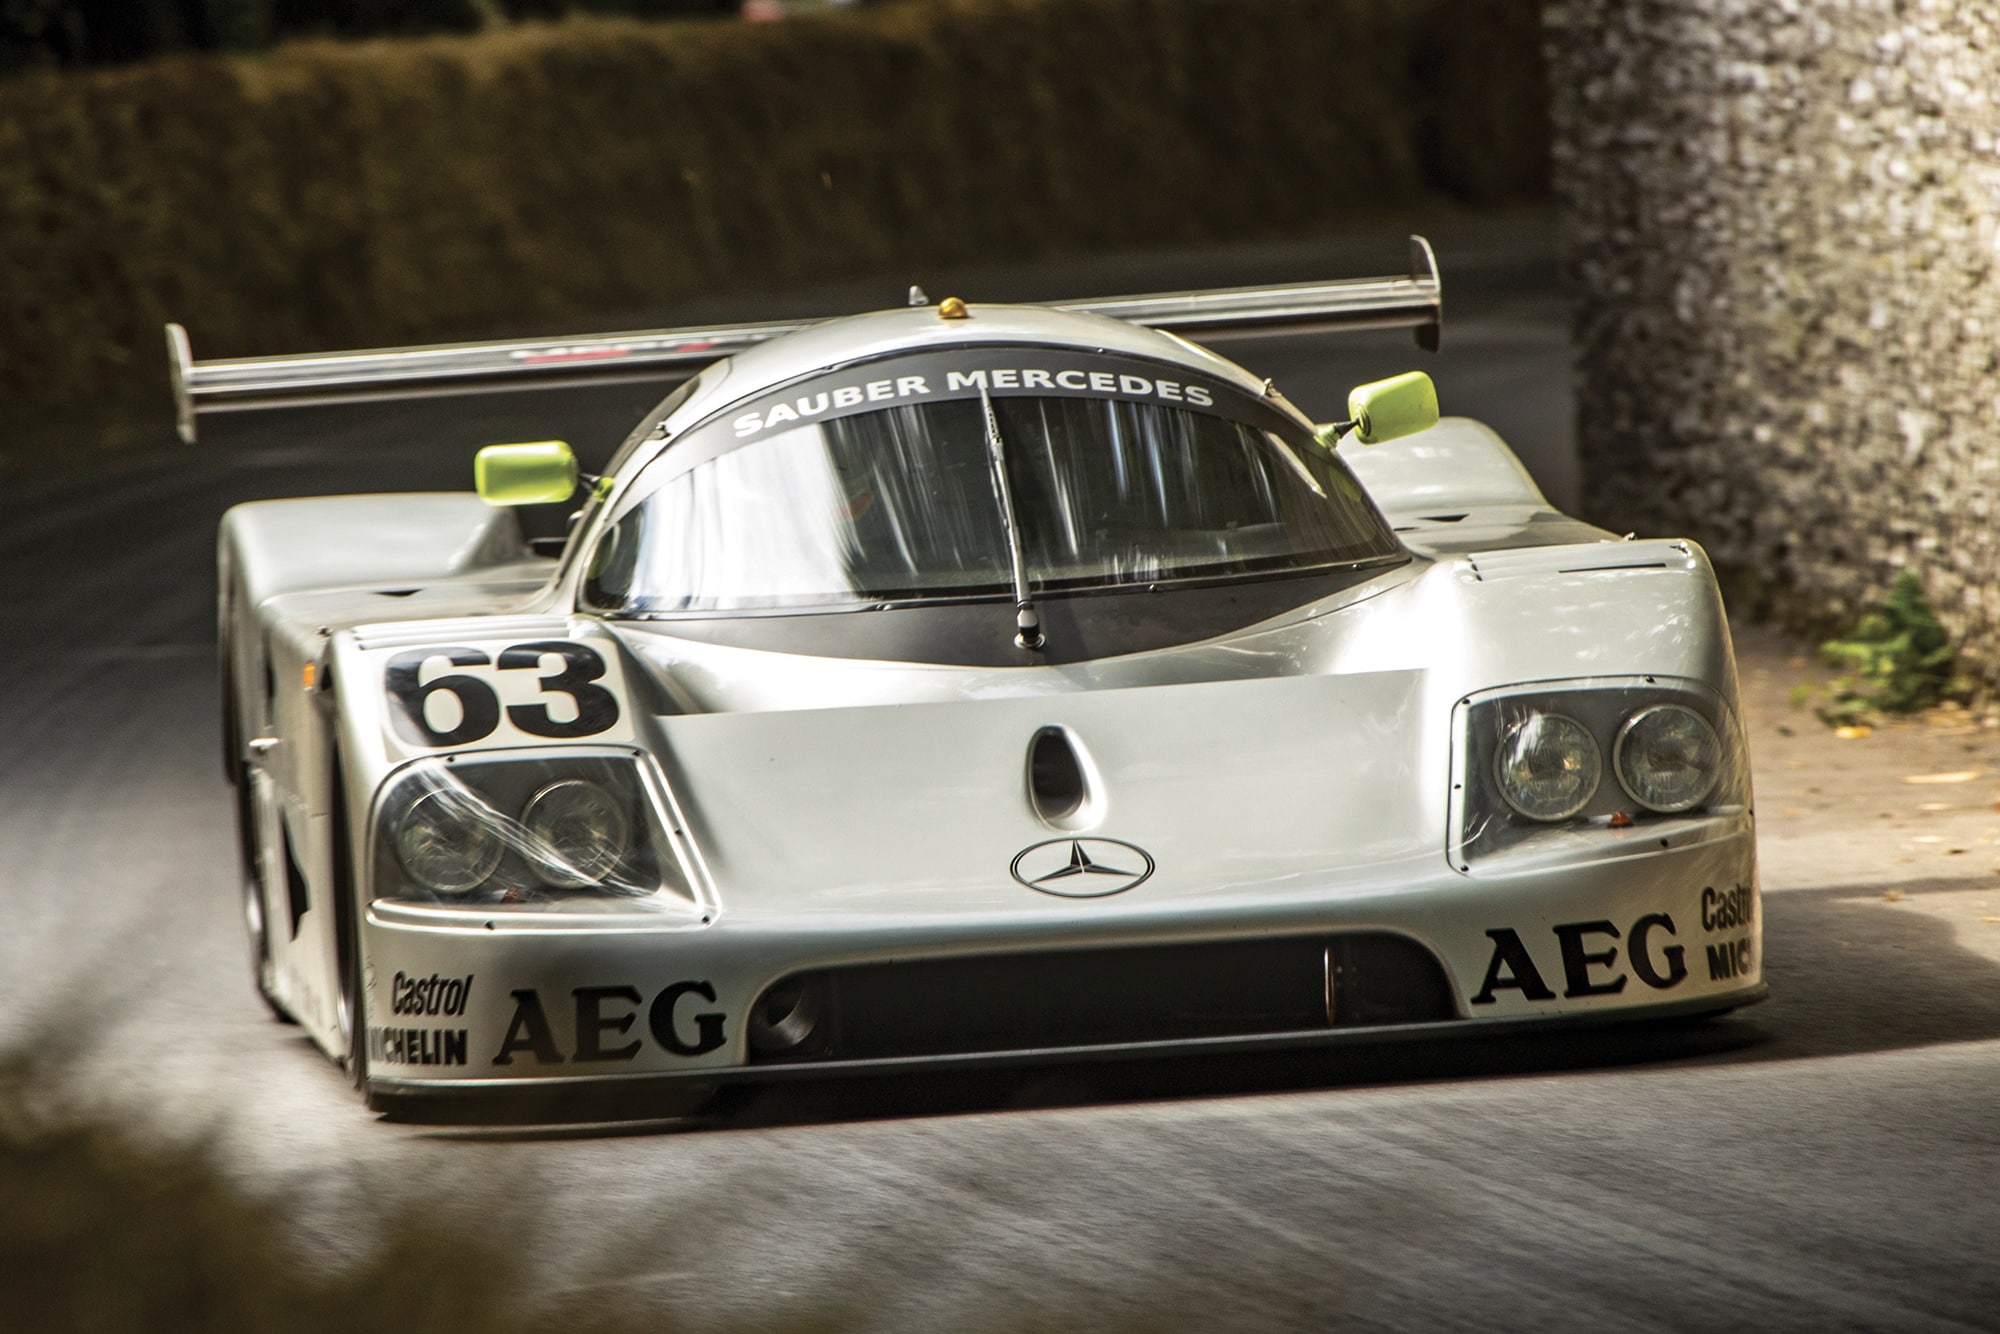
1780, 223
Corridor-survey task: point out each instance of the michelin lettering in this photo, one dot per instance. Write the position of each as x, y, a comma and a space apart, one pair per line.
1732, 958
416, 1046
604, 1015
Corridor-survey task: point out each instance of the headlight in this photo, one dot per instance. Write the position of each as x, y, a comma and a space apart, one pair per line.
1528, 781
529, 831
580, 833
1667, 758
1548, 766
446, 843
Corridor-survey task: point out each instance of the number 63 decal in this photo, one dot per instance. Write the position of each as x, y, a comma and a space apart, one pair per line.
478, 702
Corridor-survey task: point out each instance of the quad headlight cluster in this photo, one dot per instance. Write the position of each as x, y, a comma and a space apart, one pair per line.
1666, 757
520, 829
1595, 755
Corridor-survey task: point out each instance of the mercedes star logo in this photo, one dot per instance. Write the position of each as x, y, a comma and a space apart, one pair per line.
1082, 868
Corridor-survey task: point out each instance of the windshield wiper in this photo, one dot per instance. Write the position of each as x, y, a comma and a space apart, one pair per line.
1027, 621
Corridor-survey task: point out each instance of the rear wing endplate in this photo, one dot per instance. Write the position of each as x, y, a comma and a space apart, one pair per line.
665, 355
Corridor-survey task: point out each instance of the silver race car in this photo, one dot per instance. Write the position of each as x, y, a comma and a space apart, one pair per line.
962, 684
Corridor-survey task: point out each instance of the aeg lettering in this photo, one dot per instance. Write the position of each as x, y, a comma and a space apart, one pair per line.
681, 1029
1587, 971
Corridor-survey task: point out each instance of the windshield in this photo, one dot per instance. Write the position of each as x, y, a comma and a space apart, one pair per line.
896, 500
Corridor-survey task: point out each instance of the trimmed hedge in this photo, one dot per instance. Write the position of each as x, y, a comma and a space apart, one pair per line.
339, 195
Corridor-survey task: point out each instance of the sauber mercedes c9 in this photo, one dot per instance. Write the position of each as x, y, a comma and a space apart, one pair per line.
959, 684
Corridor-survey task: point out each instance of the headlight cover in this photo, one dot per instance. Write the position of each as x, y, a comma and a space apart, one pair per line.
526, 829
1548, 766
1528, 781
580, 832
448, 841
1667, 758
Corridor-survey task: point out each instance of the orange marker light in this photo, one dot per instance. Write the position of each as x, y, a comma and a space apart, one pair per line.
310, 674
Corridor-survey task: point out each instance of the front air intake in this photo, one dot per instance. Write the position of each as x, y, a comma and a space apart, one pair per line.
1096, 998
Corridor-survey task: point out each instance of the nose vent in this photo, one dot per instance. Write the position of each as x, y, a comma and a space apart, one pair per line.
785, 1021
1061, 782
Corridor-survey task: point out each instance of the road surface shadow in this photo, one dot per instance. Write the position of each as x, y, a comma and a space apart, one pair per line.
1850, 973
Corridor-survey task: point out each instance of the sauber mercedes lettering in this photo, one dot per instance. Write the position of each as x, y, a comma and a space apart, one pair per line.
964, 683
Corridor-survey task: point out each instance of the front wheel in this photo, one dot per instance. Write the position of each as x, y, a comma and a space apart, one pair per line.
256, 828
351, 1010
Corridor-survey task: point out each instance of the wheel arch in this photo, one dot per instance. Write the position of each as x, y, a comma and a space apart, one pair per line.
275, 547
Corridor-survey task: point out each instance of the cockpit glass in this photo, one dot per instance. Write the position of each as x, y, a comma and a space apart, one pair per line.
797, 504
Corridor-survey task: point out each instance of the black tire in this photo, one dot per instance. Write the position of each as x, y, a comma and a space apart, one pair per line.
353, 1011
256, 898
250, 868
350, 1006
232, 736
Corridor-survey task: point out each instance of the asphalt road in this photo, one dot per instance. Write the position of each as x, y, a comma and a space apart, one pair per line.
1828, 1160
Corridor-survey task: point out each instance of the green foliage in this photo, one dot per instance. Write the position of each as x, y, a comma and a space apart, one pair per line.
1898, 659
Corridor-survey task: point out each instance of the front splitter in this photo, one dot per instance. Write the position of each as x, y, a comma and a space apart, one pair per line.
654, 1096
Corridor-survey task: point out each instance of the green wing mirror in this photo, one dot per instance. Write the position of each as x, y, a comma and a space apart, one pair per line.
1400, 405
540, 473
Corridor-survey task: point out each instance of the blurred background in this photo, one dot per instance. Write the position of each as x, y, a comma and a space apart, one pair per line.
97, 32
1718, 270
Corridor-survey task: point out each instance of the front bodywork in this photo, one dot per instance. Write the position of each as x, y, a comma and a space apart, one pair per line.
1278, 836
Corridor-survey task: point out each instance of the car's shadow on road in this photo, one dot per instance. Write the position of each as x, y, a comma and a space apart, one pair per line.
1850, 973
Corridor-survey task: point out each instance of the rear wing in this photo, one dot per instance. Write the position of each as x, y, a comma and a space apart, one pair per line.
666, 355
